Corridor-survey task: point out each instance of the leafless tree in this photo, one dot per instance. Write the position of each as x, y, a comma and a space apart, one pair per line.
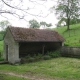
20, 8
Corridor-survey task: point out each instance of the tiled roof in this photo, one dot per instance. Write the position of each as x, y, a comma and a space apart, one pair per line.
32, 35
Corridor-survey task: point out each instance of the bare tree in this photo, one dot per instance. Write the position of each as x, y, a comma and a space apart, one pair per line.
20, 8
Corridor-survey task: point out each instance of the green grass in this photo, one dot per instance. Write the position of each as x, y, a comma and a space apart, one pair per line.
1, 59
1, 36
9, 77
68, 68
1, 50
72, 37
1, 46
1, 41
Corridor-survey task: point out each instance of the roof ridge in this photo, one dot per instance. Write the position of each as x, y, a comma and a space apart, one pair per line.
30, 34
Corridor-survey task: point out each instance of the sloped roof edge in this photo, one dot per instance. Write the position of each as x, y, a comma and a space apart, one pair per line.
35, 35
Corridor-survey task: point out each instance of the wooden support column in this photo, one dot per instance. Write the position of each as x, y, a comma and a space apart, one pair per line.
43, 46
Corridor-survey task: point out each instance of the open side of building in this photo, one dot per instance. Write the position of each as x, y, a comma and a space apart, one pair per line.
19, 42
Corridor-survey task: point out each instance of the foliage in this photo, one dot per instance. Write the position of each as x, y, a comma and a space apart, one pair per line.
34, 24
48, 25
63, 21
1, 35
4, 24
46, 57
1, 59
39, 56
30, 58
74, 21
1, 46
1, 51
54, 54
60, 22
44, 24
68, 9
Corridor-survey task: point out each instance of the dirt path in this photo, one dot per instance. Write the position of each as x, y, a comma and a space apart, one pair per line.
31, 77
25, 76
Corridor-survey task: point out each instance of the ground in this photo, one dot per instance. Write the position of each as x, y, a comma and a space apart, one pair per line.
31, 76
54, 69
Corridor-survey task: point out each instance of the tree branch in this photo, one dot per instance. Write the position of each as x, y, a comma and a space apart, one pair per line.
23, 10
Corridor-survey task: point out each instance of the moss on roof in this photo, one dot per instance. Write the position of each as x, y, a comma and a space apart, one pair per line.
31, 34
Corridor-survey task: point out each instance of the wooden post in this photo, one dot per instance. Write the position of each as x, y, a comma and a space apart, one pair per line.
43, 46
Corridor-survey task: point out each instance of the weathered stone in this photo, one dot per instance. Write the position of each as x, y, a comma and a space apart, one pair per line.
70, 51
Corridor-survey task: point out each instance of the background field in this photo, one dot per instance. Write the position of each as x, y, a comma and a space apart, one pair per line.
72, 37
1, 46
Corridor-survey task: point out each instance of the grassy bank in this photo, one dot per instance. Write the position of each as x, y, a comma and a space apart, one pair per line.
68, 68
72, 37
1, 46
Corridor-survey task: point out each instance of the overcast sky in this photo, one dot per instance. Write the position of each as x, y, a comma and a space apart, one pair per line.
43, 10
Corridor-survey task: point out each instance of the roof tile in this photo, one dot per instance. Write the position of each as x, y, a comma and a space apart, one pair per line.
30, 34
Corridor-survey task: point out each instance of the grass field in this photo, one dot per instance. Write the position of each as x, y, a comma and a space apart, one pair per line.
62, 67
1, 46
68, 68
1, 36
72, 37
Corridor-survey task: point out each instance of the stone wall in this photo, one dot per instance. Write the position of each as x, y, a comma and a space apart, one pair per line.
11, 48
70, 51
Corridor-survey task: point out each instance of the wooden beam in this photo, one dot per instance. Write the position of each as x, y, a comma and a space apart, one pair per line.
43, 46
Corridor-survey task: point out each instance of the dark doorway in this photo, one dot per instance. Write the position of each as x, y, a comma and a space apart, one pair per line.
7, 52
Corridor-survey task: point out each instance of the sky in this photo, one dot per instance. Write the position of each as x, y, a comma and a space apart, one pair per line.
37, 8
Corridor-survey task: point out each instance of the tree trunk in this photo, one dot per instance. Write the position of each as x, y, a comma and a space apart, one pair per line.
68, 24
68, 16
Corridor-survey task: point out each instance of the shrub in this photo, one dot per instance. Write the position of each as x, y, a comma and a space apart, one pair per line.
31, 59
1, 59
27, 57
66, 44
35, 56
46, 57
23, 60
54, 54
39, 56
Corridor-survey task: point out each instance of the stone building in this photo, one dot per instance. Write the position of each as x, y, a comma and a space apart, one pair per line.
19, 42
